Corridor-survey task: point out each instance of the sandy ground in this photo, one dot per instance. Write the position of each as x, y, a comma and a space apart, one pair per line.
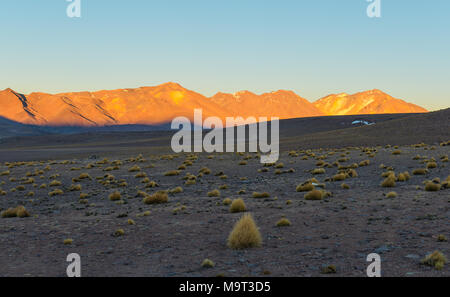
340, 230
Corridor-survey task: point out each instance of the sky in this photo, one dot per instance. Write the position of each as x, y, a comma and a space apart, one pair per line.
314, 48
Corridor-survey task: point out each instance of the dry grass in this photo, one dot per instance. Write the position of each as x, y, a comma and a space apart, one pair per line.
245, 234
420, 171
18, 211
68, 241
227, 201
214, 193
305, 187
388, 182
115, 196
318, 171
237, 205
436, 260
283, 223
391, 195
315, 195
339, 177
432, 187
157, 198
56, 192
55, 183
135, 168
172, 173
345, 186
260, 195
207, 263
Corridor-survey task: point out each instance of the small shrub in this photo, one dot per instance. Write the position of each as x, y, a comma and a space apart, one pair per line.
391, 195
207, 263
432, 187
157, 198
388, 182
435, 259
237, 205
214, 193
227, 201
260, 195
68, 241
420, 171
115, 196
314, 195
245, 234
283, 223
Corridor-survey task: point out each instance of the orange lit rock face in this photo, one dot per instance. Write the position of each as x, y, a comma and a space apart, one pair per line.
370, 102
161, 104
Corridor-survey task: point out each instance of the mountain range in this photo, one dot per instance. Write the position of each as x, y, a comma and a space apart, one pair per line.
160, 104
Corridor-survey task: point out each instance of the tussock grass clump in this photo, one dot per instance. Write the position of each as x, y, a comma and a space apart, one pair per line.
420, 171
397, 152
339, 177
364, 163
20, 188
131, 222
315, 195
441, 238
83, 195
5, 173
18, 211
84, 176
56, 192
318, 171
157, 198
207, 263
432, 187
330, 269
205, 170
68, 241
214, 193
305, 187
391, 195
152, 184
243, 163
435, 259
119, 232
245, 234
283, 223
176, 190
227, 201
115, 196
345, 186
141, 175
223, 187
389, 182
431, 165
172, 173
237, 205
75, 188
55, 183
260, 195
135, 168
279, 165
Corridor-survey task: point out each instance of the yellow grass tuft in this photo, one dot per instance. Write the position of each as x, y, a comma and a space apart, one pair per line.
227, 201
214, 193
315, 195
431, 165
245, 234
18, 211
260, 195
207, 263
283, 223
391, 195
345, 186
388, 182
432, 187
68, 241
157, 198
435, 259
420, 171
55, 192
237, 205
115, 196
172, 173
305, 187
135, 168
318, 171
339, 177
54, 183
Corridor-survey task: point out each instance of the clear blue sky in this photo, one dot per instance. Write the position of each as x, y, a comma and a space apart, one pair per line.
314, 47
